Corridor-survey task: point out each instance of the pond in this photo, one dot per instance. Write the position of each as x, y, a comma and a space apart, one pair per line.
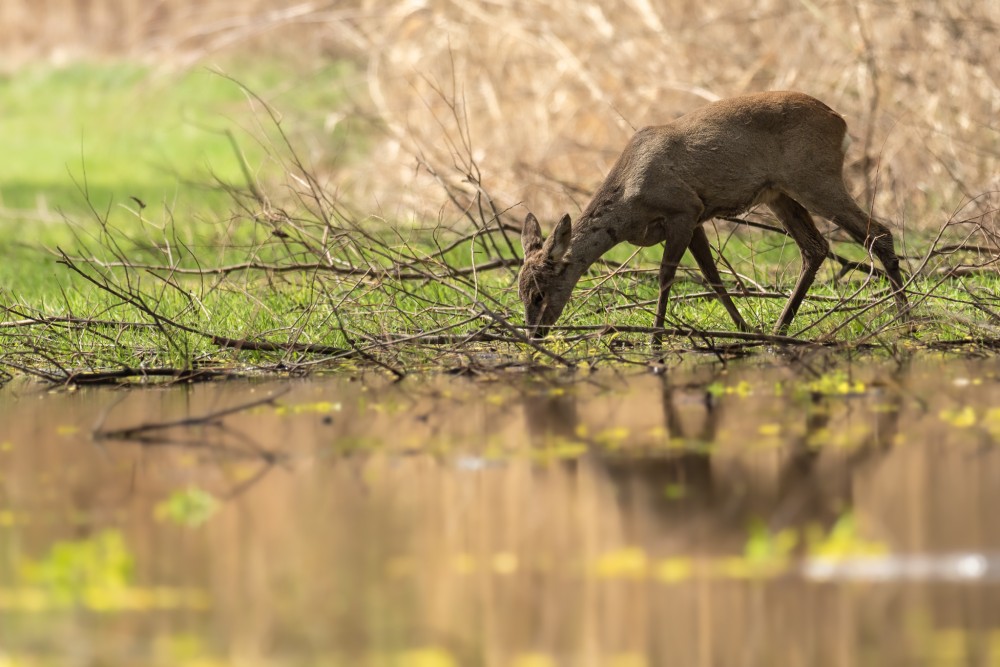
759, 512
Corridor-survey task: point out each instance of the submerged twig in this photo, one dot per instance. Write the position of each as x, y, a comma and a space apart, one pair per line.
131, 432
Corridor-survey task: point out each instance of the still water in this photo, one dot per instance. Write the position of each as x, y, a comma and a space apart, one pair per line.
761, 513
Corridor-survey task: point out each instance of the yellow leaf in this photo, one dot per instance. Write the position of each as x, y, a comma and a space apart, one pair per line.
671, 570
533, 660
629, 660
504, 563
963, 418
464, 564
425, 657
630, 562
769, 429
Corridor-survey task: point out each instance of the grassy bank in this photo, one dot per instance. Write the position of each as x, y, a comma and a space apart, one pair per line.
206, 236
310, 285
157, 217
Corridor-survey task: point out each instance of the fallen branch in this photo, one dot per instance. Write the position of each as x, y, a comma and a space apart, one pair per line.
81, 322
682, 332
177, 374
394, 273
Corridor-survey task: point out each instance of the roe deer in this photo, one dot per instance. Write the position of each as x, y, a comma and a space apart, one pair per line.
782, 149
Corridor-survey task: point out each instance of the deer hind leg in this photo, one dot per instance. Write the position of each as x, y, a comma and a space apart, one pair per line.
839, 208
812, 245
702, 253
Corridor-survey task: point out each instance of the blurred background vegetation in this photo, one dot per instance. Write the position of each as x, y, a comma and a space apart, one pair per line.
541, 95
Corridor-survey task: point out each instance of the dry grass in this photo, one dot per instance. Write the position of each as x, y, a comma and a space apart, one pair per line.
180, 31
551, 91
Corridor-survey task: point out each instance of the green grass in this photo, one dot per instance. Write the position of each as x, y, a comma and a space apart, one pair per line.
115, 130
304, 307
126, 131
107, 135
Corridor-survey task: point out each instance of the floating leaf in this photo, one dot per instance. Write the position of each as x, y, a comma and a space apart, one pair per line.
742, 389
629, 660
844, 539
672, 570
991, 420
425, 657
765, 546
561, 450
613, 437
963, 418
189, 507
769, 429
836, 383
504, 563
318, 407
716, 389
534, 660
464, 563
658, 433
630, 562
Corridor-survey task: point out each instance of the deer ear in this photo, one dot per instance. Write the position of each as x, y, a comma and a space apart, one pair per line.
558, 243
531, 234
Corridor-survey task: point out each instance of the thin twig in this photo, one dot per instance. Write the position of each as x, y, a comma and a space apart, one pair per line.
130, 432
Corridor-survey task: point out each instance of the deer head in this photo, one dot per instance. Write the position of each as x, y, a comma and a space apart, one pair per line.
544, 284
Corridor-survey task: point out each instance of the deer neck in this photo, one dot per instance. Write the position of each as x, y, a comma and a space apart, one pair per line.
592, 237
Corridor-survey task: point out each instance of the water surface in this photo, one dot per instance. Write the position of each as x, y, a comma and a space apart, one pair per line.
753, 514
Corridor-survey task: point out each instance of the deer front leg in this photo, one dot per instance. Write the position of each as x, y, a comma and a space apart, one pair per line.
702, 253
673, 250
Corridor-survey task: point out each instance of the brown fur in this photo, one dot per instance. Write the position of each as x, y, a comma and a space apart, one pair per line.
782, 149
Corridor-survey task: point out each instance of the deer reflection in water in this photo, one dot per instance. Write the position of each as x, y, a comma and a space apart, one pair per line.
684, 482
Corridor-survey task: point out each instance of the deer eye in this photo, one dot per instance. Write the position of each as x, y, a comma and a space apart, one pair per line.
537, 299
